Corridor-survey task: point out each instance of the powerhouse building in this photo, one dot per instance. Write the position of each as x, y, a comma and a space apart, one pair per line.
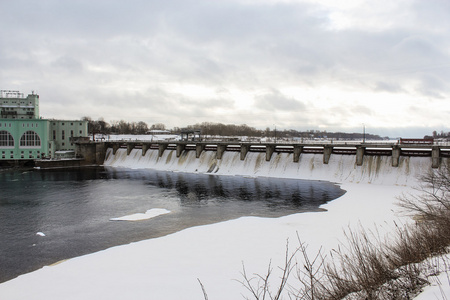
26, 136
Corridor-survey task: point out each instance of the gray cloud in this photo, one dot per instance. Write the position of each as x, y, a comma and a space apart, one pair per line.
123, 59
275, 101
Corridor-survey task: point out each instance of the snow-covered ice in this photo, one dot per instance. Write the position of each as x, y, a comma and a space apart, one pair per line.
151, 213
168, 267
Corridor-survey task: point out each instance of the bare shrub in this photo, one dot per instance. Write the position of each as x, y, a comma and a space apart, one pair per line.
310, 275
432, 204
361, 267
259, 285
413, 244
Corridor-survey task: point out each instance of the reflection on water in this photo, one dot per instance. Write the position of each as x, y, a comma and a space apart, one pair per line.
73, 207
279, 194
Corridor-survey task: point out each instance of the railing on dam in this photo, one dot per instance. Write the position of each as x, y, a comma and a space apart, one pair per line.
359, 150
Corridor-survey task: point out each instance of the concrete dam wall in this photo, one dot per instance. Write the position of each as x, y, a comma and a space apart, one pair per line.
340, 168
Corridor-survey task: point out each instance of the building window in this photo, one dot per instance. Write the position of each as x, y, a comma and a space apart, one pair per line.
30, 139
63, 134
81, 132
6, 139
71, 133
54, 134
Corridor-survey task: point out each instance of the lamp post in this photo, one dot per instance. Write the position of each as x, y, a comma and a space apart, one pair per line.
275, 132
364, 132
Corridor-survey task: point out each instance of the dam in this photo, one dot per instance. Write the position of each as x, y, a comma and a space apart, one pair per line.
338, 162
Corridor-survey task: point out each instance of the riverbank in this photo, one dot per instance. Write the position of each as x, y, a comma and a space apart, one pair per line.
168, 267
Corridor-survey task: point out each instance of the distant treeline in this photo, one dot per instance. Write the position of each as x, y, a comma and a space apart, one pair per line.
218, 129
436, 135
208, 128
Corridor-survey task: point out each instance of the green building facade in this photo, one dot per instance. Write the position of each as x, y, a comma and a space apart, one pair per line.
25, 136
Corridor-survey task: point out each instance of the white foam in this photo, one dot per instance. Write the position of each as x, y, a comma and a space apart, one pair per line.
340, 168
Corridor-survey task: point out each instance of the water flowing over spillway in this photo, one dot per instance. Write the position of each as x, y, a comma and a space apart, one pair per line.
341, 168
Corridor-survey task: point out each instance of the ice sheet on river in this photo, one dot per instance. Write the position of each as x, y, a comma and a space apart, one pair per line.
151, 213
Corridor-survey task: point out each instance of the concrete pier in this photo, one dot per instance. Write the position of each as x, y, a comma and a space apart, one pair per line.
244, 150
269, 151
327, 150
129, 148
198, 149
220, 150
395, 155
161, 148
435, 157
115, 147
297, 151
360, 155
180, 149
145, 147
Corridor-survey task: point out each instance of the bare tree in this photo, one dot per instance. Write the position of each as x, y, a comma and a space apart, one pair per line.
158, 126
141, 127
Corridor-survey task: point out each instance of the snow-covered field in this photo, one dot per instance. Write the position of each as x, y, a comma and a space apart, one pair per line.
169, 267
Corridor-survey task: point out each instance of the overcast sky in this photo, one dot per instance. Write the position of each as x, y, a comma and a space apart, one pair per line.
300, 64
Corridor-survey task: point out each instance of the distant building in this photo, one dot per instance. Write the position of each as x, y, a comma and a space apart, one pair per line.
25, 136
15, 106
158, 132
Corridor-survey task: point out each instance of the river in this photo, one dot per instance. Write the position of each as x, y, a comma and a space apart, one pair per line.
51, 215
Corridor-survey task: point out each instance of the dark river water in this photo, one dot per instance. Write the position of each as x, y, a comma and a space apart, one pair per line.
73, 208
